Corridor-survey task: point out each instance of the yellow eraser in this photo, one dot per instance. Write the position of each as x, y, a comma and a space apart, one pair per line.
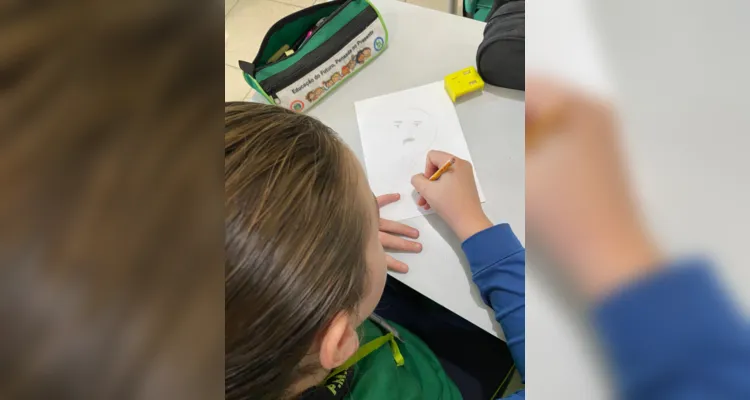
461, 82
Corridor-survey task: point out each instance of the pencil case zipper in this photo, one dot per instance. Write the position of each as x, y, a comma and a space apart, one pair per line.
291, 17
313, 59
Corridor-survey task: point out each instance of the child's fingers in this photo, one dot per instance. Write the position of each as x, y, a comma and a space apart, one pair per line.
396, 265
420, 182
430, 168
422, 202
397, 228
391, 242
385, 199
435, 160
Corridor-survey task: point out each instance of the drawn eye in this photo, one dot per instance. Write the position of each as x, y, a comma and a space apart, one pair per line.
416, 123
397, 124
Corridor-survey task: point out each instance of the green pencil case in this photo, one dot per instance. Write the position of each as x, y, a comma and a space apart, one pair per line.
330, 42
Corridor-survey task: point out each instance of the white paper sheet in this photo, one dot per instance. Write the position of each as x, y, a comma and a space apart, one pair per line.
397, 131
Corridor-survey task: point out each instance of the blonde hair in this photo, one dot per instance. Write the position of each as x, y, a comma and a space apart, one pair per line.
296, 228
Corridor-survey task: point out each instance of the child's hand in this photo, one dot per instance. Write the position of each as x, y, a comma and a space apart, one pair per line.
454, 196
388, 231
578, 203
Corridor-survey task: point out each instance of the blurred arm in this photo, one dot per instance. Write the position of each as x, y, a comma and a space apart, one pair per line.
497, 262
676, 335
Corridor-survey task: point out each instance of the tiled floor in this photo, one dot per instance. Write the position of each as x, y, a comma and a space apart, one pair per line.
246, 23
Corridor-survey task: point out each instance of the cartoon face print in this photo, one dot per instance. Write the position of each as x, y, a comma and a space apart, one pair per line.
367, 52
315, 94
328, 83
345, 70
361, 57
335, 77
352, 63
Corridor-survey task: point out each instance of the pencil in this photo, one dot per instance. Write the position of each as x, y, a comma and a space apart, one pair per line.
442, 169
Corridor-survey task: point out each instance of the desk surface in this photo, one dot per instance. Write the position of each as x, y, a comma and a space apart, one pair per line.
425, 45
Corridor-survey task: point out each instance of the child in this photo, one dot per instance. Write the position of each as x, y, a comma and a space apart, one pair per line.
305, 267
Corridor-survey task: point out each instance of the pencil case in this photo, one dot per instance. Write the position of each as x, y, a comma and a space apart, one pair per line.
306, 55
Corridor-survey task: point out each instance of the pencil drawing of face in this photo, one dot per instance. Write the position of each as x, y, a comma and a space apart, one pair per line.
414, 131
414, 127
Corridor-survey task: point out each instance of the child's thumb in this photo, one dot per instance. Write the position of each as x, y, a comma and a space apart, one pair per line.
420, 183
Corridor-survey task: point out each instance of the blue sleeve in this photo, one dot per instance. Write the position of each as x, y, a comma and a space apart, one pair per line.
497, 261
676, 335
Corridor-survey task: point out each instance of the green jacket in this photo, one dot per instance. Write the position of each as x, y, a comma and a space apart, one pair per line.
388, 367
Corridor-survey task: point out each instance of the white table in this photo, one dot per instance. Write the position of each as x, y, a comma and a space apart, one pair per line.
425, 45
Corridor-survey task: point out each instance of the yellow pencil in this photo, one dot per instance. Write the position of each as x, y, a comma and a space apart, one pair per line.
442, 169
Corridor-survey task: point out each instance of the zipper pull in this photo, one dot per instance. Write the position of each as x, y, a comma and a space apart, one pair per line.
378, 320
247, 68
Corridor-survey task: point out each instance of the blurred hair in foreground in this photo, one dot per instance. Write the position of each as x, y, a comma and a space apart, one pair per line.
111, 284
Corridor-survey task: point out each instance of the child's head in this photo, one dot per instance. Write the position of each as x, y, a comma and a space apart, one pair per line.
304, 266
